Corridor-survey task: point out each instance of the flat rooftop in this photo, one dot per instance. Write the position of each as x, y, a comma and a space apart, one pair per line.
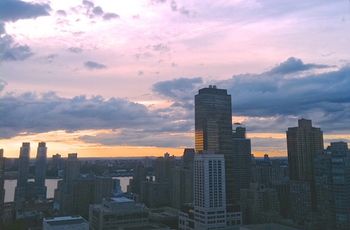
65, 220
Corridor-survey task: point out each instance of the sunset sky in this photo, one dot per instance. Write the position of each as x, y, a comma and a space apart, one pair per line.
118, 78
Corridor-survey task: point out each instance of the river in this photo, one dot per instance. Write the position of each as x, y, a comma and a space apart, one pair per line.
51, 185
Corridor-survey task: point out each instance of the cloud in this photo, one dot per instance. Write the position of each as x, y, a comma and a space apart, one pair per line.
88, 4
11, 51
110, 16
75, 50
2, 85
94, 65
134, 137
179, 89
2, 28
61, 13
13, 10
273, 100
292, 65
160, 47
129, 123
97, 11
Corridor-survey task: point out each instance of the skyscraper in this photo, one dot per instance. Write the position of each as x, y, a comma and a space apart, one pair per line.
23, 171
213, 129
241, 160
209, 191
40, 171
72, 170
332, 179
304, 143
2, 180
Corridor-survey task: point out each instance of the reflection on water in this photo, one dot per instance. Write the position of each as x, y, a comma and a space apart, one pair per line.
51, 185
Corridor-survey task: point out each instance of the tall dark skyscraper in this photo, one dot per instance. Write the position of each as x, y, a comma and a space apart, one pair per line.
40, 171
23, 172
72, 170
213, 129
2, 180
241, 160
304, 143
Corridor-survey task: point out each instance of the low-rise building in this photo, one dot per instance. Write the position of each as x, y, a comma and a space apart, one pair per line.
65, 223
117, 213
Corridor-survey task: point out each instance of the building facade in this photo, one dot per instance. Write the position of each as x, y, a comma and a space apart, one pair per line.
65, 223
213, 130
209, 191
40, 171
304, 143
23, 173
241, 161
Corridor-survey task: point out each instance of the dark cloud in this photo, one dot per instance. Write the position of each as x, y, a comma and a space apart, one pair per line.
110, 16
273, 100
293, 65
11, 51
179, 90
75, 50
61, 13
94, 65
88, 4
97, 11
13, 10
133, 123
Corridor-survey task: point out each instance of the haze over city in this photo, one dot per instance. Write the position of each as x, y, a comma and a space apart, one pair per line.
118, 79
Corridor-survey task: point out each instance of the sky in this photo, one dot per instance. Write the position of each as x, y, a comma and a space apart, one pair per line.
118, 78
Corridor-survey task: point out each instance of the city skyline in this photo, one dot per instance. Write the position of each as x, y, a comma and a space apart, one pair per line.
101, 79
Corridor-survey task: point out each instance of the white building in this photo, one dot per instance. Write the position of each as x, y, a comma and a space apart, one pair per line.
65, 223
209, 191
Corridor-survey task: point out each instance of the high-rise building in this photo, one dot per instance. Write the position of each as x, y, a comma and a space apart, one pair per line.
40, 171
209, 191
2, 180
71, 170
139, 176
23, 173
241, 160
163, 168
260, 204
332, 179
182, 183
304, 143
213, 130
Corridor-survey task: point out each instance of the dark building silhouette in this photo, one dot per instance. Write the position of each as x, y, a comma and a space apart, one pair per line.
139, 176
304, 143
163, 168
241, 160
158, 193
332, 179
75, 193
182, 182
40, 171
23, 173
213, 130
